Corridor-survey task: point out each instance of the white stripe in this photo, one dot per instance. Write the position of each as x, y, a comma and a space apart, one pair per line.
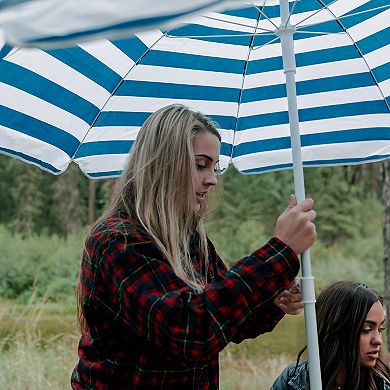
350, 150
184, 76
112, 133
150, 37
314, 127
52, 69
19, 142
228, 22
385, 87
30, 105
304, 45
340, 8
110, 55
102, 163
371, 26
201, 48
378, 57
145, 104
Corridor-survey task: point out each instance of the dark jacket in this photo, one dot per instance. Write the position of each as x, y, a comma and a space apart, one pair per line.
298, 379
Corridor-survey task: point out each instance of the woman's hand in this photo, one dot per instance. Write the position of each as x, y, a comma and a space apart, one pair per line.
295, 225
290, 301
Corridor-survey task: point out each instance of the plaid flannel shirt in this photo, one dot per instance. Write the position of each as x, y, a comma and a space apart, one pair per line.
147, 329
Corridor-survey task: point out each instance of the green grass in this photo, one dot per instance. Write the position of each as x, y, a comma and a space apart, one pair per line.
38, 349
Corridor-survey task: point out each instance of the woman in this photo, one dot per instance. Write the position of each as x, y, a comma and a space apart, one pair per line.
157, 304
350, 318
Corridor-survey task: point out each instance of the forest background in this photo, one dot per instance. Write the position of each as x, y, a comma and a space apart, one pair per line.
44, 220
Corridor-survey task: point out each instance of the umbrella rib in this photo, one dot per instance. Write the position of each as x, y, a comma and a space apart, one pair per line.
315, 13
250, 48
265, 44
360, 53
291, 12
236, 23
221, 35
320, 32
113, 92
342, 17
264, 14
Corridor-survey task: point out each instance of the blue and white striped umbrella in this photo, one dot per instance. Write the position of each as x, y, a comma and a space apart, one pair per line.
56, 23
87, 103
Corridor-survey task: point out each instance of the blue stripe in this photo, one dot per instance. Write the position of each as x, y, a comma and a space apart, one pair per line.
191, 61
46, 166
374, 41
89, 66
133, 47
329, 26
316, 163
119, 118
326, 55
316, 113
226, 149
39, 130
304, 59
36, 85
382, 72
201, 32
103, 147
177, 91
4, 51
342, 110
103, 175
328, 138
327, 84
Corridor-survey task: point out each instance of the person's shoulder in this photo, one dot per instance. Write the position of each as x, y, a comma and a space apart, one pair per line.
293, 376
117, 225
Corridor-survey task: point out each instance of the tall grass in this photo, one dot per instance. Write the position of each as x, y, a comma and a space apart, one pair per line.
32, 357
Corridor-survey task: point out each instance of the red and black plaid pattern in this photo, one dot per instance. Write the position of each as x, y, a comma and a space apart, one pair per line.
147, 329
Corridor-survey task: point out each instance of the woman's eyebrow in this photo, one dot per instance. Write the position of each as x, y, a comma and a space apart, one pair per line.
206, 156
371, 322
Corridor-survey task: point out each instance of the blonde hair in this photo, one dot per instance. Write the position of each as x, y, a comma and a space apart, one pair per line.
157, 186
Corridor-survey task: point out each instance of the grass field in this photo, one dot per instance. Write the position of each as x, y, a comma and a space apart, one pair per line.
38, 345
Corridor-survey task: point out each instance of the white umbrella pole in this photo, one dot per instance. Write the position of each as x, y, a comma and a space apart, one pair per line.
286, 32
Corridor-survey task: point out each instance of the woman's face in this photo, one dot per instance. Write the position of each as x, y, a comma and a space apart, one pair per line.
206, 150
370, 337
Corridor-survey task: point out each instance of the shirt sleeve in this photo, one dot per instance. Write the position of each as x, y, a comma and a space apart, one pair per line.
160, 307
264, 318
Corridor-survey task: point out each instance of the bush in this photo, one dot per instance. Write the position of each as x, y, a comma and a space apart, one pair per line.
46, 265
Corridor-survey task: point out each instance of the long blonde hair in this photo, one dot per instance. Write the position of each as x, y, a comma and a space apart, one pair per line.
157, 189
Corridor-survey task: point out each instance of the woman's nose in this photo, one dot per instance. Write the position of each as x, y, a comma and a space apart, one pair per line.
211, 179
377, 339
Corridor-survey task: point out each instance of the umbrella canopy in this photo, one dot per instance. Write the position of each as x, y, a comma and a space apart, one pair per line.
55, 23
87, 103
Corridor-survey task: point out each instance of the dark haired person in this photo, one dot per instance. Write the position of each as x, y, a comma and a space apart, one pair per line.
350, 321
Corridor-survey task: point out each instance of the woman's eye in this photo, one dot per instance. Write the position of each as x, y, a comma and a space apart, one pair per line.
381, 329
201, 166
366, 330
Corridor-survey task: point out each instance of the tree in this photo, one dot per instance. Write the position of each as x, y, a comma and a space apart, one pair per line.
386, 240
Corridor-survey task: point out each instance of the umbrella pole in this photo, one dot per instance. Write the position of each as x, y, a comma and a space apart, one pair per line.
286, 31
